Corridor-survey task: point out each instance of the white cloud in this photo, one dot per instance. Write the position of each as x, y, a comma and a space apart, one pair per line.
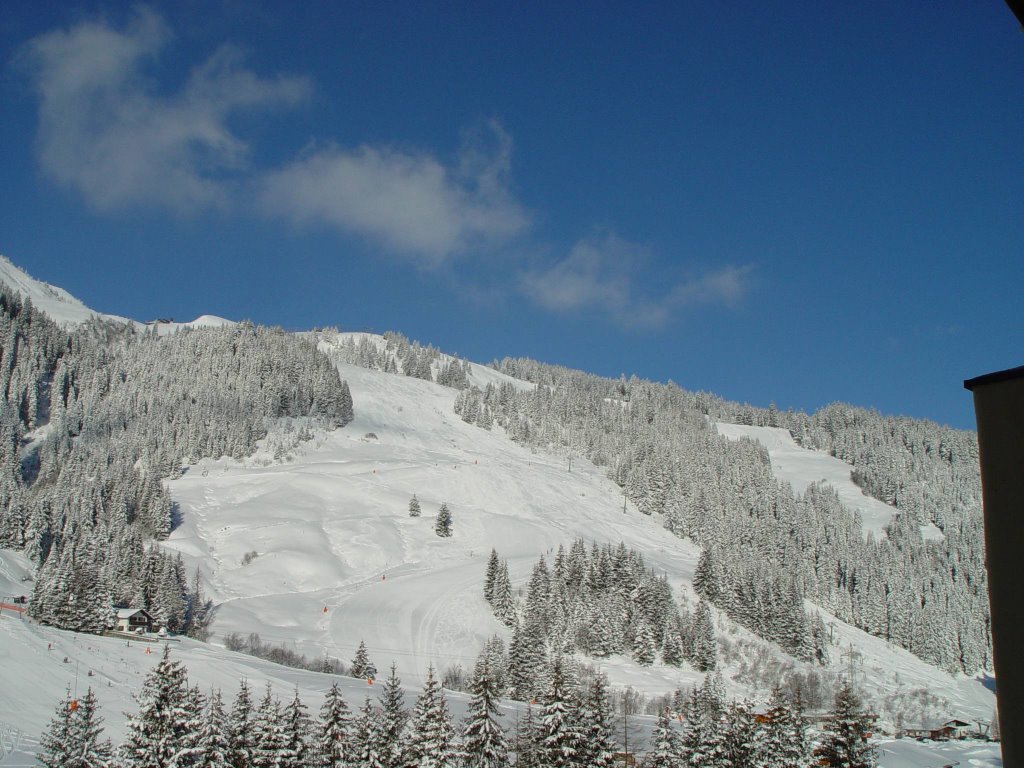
104, 132
409, 202
597, 274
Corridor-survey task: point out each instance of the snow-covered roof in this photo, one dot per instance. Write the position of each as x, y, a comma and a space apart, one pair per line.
936, 724
127, 613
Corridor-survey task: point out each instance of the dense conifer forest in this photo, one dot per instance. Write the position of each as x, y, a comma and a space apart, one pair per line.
766, 548
94, 418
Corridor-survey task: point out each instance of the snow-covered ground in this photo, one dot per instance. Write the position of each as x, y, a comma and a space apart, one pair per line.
332, 529
203, 321
38, 664
907, 753
339, 560
66, 310
801, 467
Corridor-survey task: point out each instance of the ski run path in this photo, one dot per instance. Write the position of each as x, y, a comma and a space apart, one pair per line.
340, 560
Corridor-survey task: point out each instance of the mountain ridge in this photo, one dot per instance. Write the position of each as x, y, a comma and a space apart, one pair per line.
347, 493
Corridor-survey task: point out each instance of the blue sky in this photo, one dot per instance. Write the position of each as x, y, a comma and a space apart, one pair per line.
789, 202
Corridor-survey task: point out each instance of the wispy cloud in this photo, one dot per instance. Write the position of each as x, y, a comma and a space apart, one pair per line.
106, 133
409, 202
598, 274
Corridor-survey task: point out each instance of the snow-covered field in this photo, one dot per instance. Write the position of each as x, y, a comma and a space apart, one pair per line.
37, 664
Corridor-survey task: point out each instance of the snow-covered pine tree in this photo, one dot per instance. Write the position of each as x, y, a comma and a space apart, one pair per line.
491, 574
366, 741
268, 732
432, 737
598, 750
297, 734
527, 659
333, 742
196, 707
526, 736
443, 522
361, 664
644, 649
414, 506
393, 719
483, 739
672, 648
705, 578
239, 729
665, 744
780, 739
845, 741
703, 741
705, 648
213, 742
55, 743
89, 749
739, 731
74, 737
159, 732
561, 734
503, 601
198, 615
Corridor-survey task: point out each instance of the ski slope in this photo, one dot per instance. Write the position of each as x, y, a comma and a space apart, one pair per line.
800, 467
332, 529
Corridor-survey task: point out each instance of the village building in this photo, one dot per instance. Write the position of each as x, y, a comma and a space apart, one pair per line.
939, 730
133, 620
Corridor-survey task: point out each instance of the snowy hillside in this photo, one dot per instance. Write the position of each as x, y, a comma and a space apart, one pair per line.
38, 664
800, 468
332, 529
66, 310
309, 543
60, 305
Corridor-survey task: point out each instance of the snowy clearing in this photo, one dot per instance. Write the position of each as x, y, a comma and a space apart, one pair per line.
800, 467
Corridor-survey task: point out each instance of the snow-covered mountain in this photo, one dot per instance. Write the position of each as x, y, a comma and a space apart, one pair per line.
339, 560
66, 310
61, 306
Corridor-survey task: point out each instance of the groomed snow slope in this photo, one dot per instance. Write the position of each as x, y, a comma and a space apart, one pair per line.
801, 467
332, 529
